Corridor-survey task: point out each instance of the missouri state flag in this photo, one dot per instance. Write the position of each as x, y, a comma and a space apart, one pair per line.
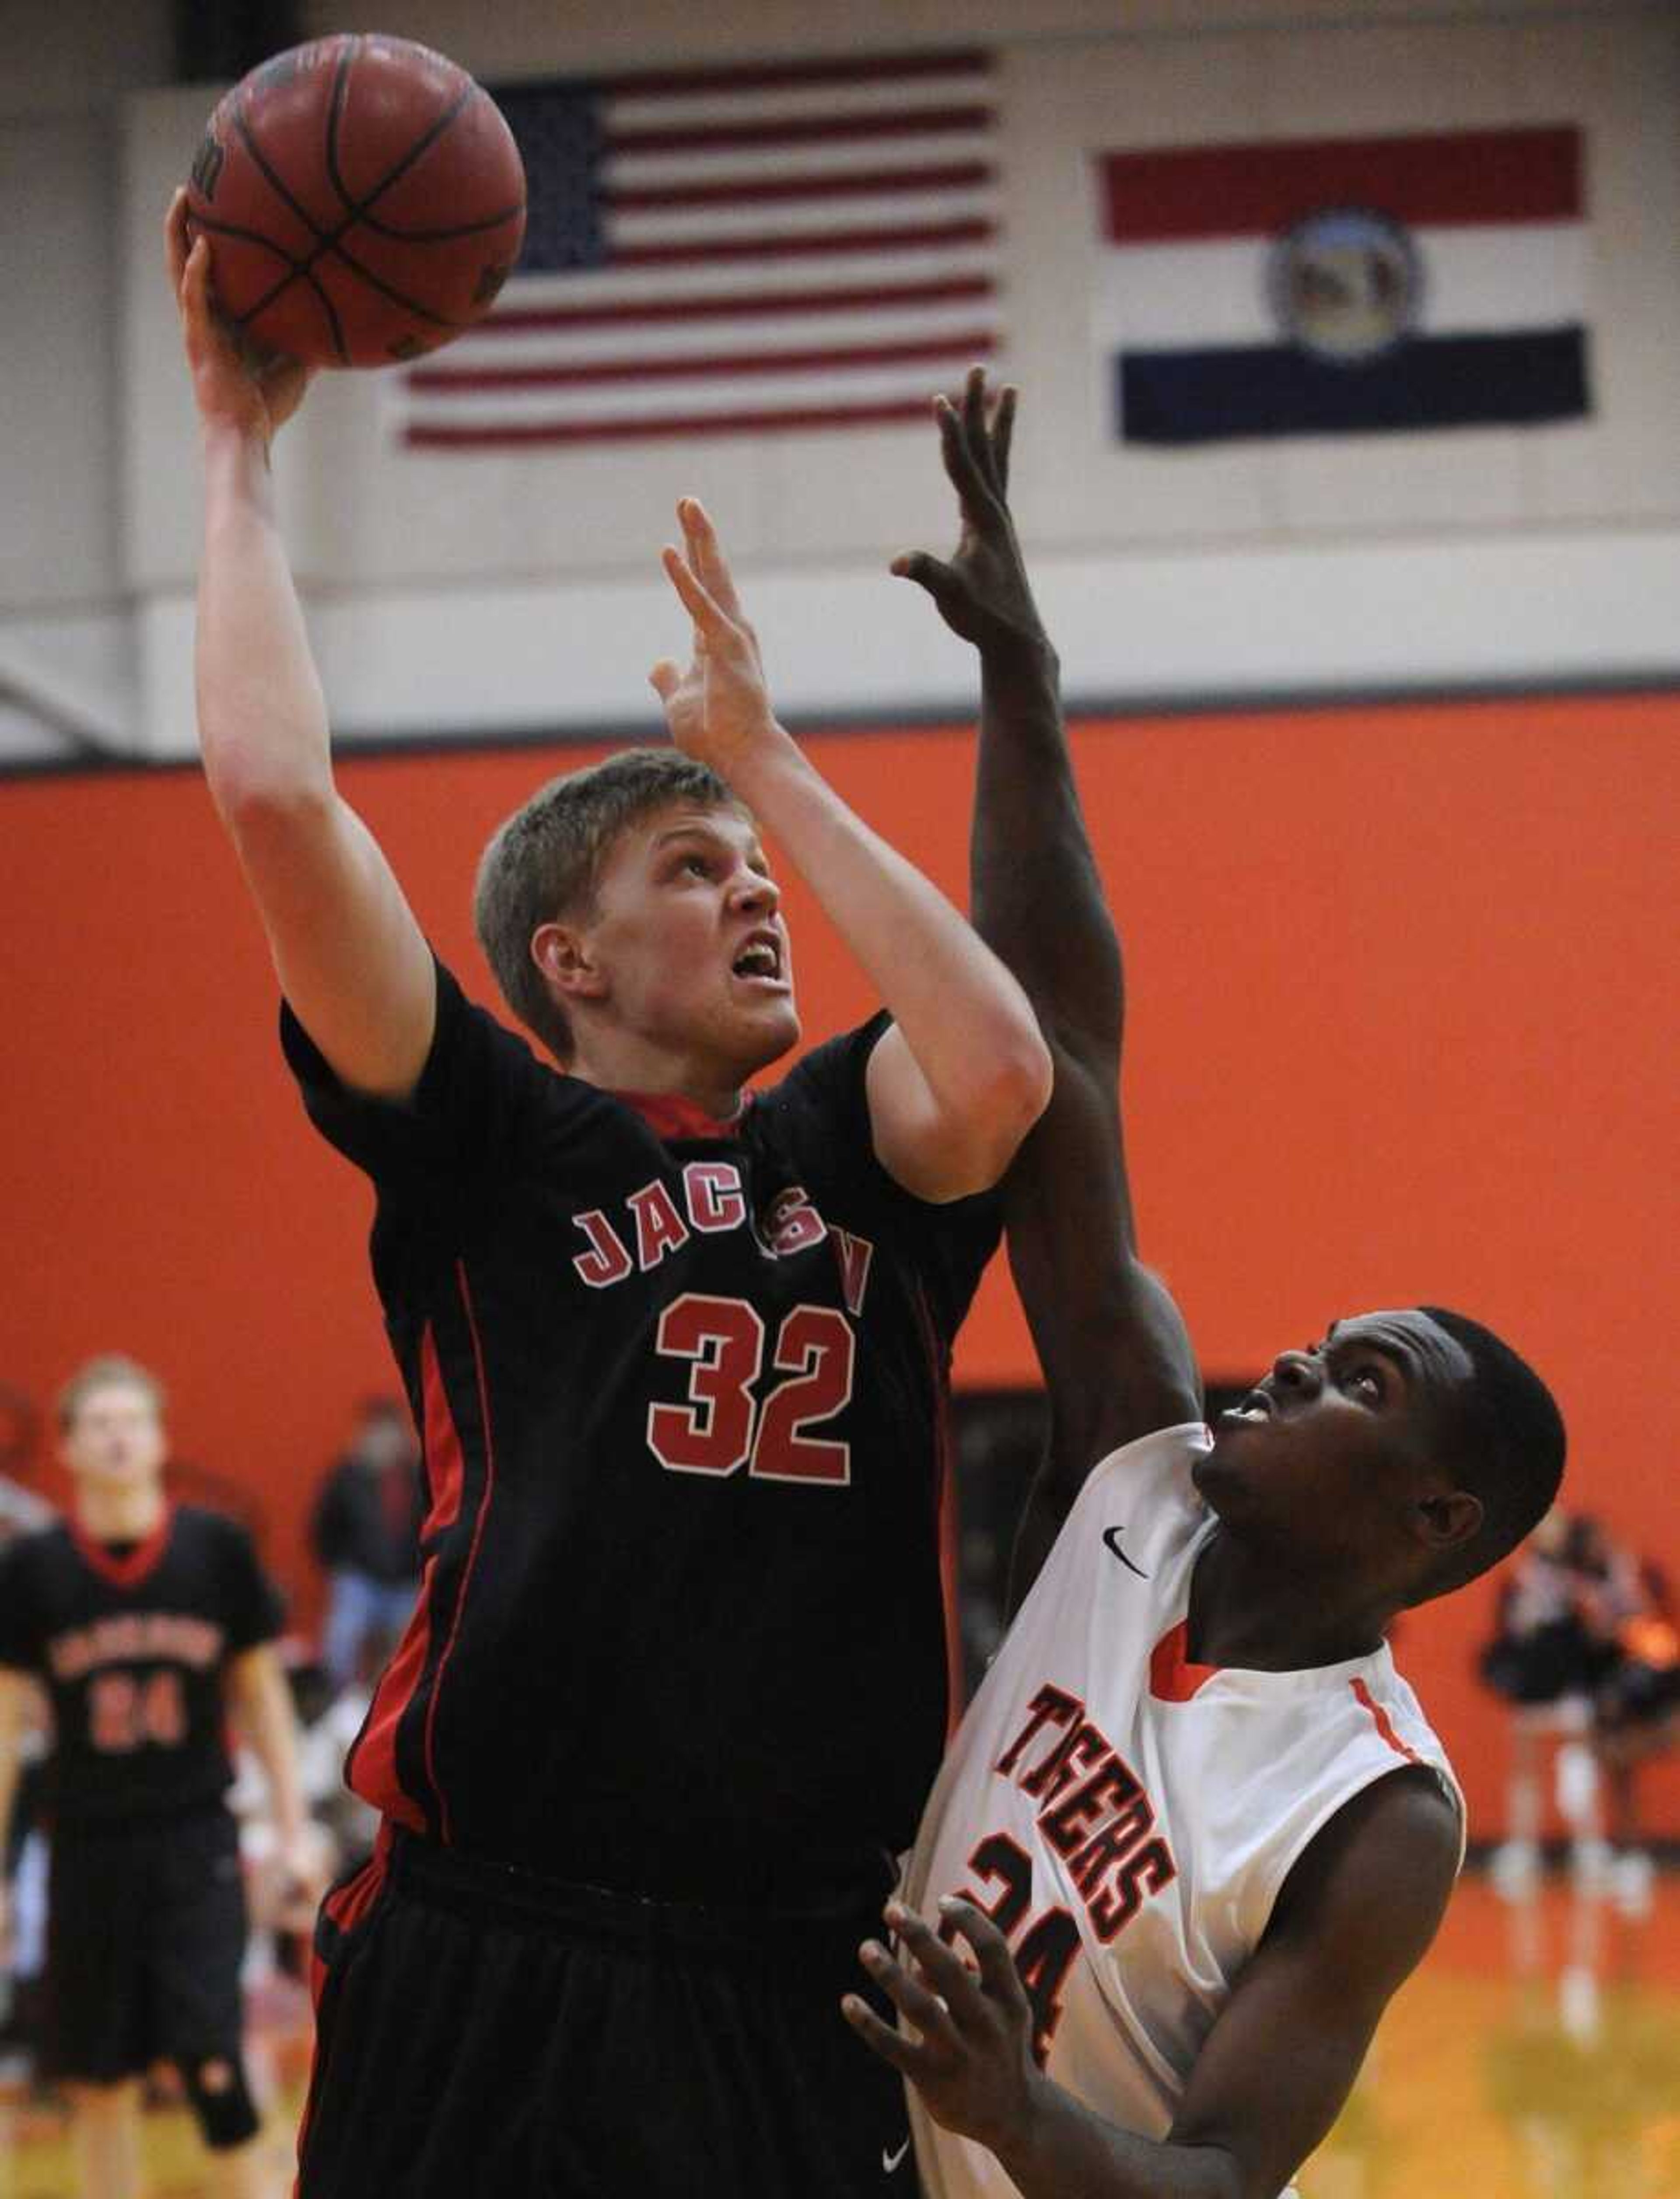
1343, 285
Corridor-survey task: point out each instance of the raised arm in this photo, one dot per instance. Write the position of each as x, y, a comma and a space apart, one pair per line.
961, 1076
351, 959
1116, 1357
1274, 2071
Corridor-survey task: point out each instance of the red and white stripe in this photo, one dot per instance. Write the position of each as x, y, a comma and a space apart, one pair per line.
793, 247
1497, 214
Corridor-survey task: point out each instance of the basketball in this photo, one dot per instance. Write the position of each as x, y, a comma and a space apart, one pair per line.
365, 200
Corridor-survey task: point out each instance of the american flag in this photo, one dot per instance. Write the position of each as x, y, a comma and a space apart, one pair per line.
751, 250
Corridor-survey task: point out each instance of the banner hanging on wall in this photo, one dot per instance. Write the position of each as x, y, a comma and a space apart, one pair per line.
1343, 286
807, 245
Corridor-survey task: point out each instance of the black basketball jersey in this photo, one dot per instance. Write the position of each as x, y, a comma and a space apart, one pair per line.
681, 1386
132, 1647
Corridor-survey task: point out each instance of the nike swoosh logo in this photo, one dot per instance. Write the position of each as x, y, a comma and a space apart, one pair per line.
890, 2161
1111, 1543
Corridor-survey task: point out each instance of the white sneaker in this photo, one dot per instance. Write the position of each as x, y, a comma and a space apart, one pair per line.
1590, 1864
1513, 1870
1632, 1878
1578, 2004
1576, 1774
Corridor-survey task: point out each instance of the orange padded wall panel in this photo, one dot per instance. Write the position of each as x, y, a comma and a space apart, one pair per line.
1402, 1026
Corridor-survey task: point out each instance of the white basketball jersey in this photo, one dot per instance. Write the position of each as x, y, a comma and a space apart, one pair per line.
1128, 1818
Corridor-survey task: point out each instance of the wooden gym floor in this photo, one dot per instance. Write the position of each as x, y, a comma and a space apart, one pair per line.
1535, 2056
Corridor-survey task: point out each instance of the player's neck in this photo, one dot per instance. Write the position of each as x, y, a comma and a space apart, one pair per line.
622, 1061
125, 1513
1248, 1611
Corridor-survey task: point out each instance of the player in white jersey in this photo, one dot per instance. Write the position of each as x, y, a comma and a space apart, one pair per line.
1195, 1829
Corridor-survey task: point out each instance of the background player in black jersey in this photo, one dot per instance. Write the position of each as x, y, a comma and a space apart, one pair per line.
1390, 1464
146, 1623
676, 1684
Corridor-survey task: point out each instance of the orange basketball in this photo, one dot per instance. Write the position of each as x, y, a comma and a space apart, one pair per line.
365, 200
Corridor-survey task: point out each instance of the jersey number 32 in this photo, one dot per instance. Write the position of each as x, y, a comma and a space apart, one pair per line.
723, 1425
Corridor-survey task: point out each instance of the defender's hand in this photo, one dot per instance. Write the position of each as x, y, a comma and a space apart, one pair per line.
253, 393
718, 709
982, 592
965, 2037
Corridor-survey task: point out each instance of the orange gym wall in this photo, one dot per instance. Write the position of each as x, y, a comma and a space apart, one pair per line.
1402, 1026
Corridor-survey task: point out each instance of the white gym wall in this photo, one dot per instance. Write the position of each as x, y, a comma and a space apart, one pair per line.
502, 594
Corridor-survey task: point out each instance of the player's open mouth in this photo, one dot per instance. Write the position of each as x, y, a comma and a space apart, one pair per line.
760, 961
1256, 1406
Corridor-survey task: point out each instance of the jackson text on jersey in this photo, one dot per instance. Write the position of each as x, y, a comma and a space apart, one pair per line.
714, 1201
137, 1637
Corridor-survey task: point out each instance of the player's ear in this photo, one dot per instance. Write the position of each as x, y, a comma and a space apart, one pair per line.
1448, 1520
561, 951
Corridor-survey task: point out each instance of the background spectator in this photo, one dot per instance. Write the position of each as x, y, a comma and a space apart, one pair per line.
1635, 1714
1587, 1651
366, 1534
1549, 1640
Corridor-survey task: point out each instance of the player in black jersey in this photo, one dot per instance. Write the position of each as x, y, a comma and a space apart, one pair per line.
146, 1623
676, 1685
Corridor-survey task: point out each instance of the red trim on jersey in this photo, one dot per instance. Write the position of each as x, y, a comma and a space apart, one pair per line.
669, 1115
1172, 1678
944, 1515
949, 1540
344, 1906
347, 1904
372, 1767
485, 1497
1384, 1725
444, 1469
142, 1559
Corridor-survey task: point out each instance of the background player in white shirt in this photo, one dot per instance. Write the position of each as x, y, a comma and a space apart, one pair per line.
1194, 1828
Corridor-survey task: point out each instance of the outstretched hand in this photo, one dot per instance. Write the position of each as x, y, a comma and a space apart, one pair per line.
966, 2039
981, 591
234, 385
718, 709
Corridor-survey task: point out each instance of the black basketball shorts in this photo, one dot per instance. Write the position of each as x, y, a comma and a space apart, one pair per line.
145, 1937
485, 2034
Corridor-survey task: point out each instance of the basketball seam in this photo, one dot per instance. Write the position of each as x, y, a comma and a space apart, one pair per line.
422, 145
385, 289
295, 269
217, 228
298, 267
330, 240
440, 235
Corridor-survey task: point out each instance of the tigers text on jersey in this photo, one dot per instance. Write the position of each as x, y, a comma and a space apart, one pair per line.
681, 1387
1126, 1818
132, 1647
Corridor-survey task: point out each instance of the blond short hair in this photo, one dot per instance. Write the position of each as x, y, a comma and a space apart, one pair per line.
542, 863
107, 1370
